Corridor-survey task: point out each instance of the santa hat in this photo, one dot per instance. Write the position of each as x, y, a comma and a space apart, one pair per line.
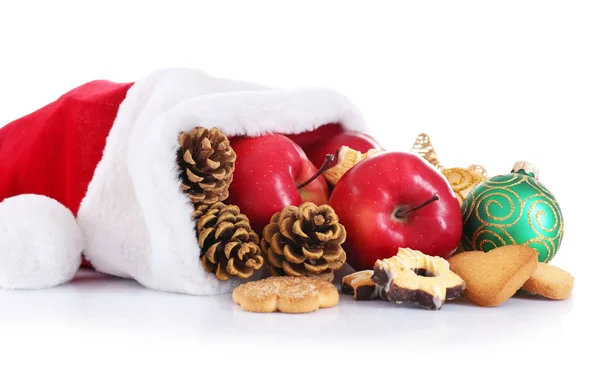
94, 173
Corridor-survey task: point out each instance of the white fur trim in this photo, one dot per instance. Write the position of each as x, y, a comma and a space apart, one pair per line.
40, 243
135, 219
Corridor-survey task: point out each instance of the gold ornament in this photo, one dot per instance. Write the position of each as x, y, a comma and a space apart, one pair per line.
424, 148
461, 179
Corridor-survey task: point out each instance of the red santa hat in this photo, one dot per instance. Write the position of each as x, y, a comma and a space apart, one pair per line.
93, 173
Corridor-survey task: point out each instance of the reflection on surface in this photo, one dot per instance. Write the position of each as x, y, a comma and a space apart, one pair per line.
98, 302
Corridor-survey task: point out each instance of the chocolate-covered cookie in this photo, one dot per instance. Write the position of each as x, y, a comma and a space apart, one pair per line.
414, 277
360, 285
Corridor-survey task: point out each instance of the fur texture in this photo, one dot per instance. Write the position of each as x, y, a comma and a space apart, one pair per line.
40, 243
135, 220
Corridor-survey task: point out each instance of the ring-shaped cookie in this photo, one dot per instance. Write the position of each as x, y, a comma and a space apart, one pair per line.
412, 276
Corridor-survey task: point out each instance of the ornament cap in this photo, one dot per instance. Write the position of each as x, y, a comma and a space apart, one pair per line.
527, 168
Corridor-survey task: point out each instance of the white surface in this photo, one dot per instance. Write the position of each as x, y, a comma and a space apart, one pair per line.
96, 314
491, 82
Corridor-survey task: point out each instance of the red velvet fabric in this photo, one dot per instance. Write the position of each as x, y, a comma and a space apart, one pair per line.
54, 151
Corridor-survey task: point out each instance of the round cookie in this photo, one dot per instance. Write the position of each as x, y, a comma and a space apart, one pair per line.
287, 294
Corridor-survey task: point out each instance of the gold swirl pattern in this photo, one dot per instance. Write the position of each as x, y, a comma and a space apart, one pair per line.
545, 220
504, 181
498, 207
468, 205
512, 209
462, 180
537, 186
489, 237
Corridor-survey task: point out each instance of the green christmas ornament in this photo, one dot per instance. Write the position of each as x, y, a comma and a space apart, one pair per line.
513, 209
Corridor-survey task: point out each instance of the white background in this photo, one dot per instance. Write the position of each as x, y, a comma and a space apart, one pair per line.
491, 82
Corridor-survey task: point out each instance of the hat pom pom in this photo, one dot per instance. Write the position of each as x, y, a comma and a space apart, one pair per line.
40, 243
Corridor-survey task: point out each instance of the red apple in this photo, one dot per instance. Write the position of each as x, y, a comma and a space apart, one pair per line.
269, 174
393, 200
356, 140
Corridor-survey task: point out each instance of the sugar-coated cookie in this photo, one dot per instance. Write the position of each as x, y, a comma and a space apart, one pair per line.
550, 282
495, 276
287, 294
361, 287
414, 277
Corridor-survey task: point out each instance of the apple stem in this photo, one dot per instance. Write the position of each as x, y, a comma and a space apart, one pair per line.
328, 160
404, 213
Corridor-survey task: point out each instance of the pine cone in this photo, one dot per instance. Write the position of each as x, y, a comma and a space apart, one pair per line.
228, 245
304, 241
207, 162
